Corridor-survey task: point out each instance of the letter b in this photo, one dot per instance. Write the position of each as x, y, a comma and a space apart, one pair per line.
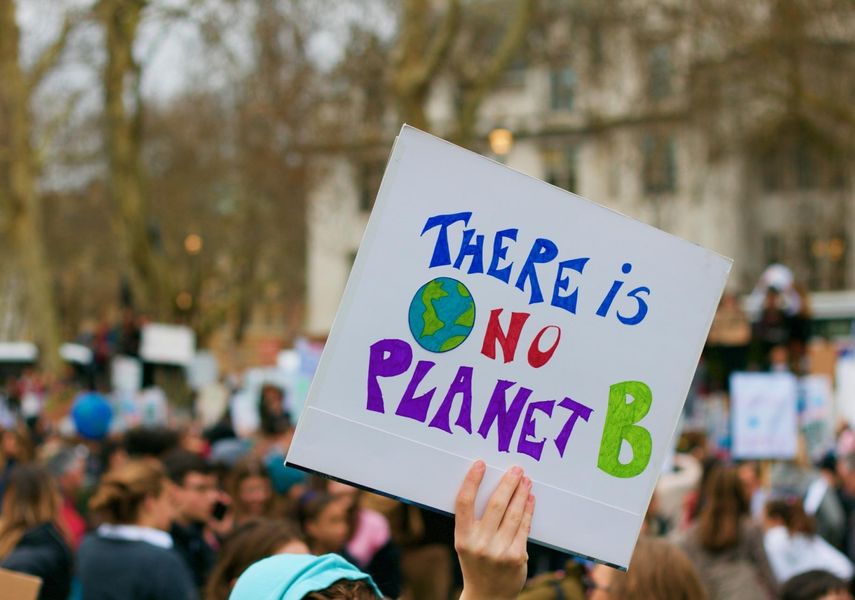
621, 425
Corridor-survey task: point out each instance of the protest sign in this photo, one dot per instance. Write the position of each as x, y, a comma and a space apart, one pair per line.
845, 382
126, 374
764, 415
18, 586
493, 316
167, 344
202, 370
816, 418
76, 353
18, 352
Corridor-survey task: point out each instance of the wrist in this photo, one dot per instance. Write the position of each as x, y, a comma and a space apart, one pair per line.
469, 594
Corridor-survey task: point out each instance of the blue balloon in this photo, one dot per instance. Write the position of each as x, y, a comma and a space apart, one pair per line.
92, 414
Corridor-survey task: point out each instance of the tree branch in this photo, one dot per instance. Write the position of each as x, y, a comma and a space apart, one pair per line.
49, 57
476, 89
441, 42
508, 47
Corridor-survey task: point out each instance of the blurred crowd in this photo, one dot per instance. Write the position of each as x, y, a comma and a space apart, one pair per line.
179, 506
178, 511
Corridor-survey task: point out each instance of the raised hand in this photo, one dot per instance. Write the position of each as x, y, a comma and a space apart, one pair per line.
492, 549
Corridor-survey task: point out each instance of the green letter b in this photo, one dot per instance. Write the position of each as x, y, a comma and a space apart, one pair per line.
621, 425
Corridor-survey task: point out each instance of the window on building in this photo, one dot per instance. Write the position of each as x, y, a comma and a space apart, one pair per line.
660, 73
659, 164
825, 258
595, 46
562, 88
798, 164
562, 169
838, 250
805, 166
772, 250
370, 176
514, 75
770, 171
837, 179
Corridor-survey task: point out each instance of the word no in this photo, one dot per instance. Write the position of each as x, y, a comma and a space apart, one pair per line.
542, 251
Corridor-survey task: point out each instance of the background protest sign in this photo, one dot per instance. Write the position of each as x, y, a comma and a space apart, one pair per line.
764, 415
845, 383
18, 586
167, 344
816, 415
490, 315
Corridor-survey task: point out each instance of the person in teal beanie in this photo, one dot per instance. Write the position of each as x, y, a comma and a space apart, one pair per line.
294, 576
492, 553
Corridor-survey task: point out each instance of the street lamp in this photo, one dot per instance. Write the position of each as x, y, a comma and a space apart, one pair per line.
184, 300
193, 243
501, 141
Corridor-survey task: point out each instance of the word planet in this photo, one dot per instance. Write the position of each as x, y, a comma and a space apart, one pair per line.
442, 314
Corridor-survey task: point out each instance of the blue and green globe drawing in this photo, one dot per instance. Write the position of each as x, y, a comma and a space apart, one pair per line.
442, 314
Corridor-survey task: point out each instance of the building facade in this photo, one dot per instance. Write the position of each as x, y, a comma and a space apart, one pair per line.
612, 115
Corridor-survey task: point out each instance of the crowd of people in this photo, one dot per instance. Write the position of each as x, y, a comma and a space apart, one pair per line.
179, 512
196, 508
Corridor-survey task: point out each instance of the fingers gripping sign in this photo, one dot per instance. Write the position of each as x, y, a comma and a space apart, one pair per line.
492, 549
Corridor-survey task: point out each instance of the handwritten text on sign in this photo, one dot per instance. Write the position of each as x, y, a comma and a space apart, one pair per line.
442, 316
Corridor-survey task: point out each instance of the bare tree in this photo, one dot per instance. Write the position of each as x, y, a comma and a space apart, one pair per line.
24, 219
425, 50
147, 270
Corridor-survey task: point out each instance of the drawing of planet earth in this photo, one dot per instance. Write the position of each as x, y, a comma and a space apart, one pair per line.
442, 314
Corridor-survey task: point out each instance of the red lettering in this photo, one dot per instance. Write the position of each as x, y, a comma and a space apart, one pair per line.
507, 340
538, 358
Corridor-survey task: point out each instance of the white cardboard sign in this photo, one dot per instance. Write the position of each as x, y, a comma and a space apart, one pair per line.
764, 415
845, 380
167, 344
816, 420
490, 315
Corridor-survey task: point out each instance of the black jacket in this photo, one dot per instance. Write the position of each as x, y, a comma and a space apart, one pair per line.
117, 569
190, 543
43, 552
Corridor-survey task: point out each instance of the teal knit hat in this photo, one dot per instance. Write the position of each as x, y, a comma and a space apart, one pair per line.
292, 576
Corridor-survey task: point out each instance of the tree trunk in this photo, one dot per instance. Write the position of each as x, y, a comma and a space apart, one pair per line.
25, 214
476, 90
146, 271
419, 55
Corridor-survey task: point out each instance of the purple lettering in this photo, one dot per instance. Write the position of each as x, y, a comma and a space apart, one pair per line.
506, 418
527, 434
462, 384
387, 358
576, 410
412, 406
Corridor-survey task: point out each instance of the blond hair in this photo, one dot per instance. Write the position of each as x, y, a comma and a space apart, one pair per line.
122, 491
31, 499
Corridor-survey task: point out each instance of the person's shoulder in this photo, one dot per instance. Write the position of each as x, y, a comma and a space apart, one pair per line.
685, 537
42, 551
776, 537
750, 529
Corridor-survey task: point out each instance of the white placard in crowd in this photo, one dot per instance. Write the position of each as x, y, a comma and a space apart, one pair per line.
15, 352
845, 382
167, 344
76, 353
816, 419
492, 316
203, 370
763, 409
126, 374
